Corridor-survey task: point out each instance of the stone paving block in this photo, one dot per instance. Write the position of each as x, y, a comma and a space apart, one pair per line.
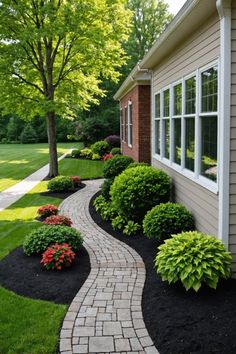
84, 331
146, 341
129, 332
123, 315
66, 333
151, 350
122, 304
101, 344
112, 328
135, 344
122, 344
80, 348
65, 344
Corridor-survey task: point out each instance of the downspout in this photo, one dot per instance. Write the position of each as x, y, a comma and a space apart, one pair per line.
224, 10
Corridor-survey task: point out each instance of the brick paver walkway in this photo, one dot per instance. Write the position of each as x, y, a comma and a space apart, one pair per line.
106, 315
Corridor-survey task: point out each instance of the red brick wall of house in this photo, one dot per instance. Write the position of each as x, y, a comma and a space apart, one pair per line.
140, 98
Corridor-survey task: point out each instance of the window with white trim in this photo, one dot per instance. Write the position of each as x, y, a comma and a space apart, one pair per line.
185, 125
130, 124
125, 124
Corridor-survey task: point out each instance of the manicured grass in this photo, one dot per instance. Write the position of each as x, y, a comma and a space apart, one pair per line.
83, 168
31, 326
27, 326
17, 161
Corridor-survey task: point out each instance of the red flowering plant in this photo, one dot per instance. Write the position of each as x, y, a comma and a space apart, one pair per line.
47, 210
58, 220
76, 180
57, 256
107, 157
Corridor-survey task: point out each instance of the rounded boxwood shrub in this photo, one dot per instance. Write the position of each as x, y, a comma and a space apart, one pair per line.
100, 147
193, 258
137, 164
137, 190
166, 219
116, 151
60, 184
114, 166
39, 240
106, 186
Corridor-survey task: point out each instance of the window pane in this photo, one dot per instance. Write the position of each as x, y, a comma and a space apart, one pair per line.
178, 100
166, 112
209, 90
157, 137
130, 114
189, 143
190, 95
209, 147
177, 140
157, 106
166, 127
125, 125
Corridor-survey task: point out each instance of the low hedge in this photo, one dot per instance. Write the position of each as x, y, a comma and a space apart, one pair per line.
60, 184
115, 165
40, 239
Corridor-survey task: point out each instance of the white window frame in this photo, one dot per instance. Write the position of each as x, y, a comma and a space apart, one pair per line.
154, 124
196, 174
163, 118
130, 124
122, 124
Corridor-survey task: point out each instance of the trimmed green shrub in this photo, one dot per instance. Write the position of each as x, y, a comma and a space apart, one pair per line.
106, 187
108, 212
116, 151
137, 164
60, 184
40, 239
100, 147
137, 190
76, 153
114, 166
166, 219
86, 153
131, 228
193, 258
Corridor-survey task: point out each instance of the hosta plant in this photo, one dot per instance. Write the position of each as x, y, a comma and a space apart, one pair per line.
58, 256
58, 220
38, 240
99, 203
47, 210
166, 219
131, 228
194, 259
119, 222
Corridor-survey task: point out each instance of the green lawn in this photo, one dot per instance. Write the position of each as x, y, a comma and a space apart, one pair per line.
17, 161
82, 168
31, 326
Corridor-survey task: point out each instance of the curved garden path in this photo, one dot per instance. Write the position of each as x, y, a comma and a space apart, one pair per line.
105, 316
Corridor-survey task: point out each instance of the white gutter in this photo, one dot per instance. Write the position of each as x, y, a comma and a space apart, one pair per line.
224, 10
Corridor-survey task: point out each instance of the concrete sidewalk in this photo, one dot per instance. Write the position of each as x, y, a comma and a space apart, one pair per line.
14, 193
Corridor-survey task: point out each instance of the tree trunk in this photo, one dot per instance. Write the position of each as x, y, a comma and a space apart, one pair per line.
52, 141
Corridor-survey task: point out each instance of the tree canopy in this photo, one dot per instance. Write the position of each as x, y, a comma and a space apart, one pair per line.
54, 53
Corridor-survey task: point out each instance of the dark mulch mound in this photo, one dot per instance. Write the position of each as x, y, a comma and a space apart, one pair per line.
25, 276
181, 322
63, 195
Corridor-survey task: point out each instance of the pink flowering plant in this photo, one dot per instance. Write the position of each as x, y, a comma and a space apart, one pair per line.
58, 256
58, 220
107, 157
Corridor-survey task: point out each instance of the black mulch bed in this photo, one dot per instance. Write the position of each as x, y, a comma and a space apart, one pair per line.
62, 195
25, 276
181, 322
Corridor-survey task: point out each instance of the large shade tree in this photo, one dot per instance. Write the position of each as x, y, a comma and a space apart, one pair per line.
53, 55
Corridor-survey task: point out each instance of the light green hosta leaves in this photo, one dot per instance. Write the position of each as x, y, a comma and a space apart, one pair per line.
193, 258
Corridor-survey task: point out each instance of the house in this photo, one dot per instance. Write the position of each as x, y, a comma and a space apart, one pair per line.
191, 74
